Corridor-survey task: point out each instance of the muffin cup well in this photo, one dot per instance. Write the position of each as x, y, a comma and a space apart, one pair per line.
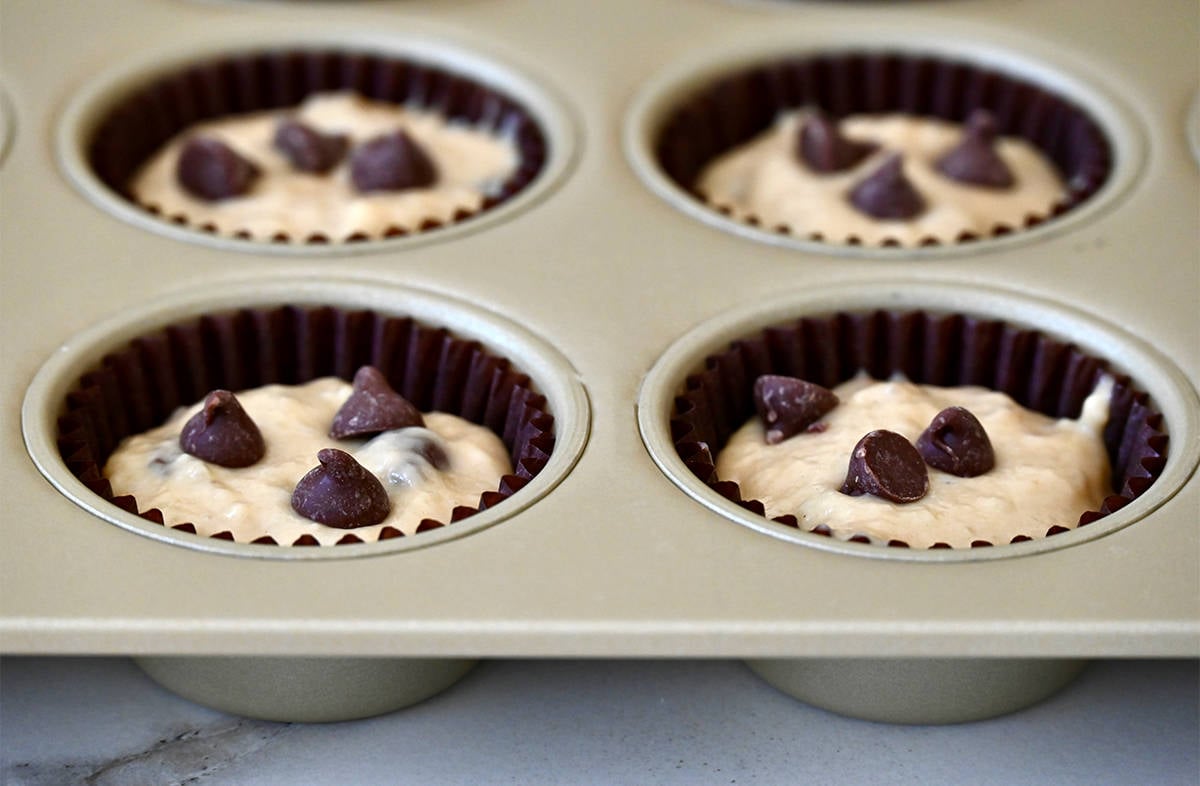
1044, 356
124, 379
115, 124
919, 690
304, 690
694, 113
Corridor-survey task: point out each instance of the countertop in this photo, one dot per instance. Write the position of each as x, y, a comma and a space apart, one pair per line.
100, 721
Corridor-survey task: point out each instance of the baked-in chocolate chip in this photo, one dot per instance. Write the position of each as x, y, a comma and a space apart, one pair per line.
404, 457
821, 145
886, 465
212, 170
886, 193
433, 453
788, 405
307, 148
222, 433
974, 160
391, 162
956, 442
373, 407
341, 493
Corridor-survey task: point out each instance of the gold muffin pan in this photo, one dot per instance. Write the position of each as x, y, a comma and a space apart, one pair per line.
6, 125
606, 287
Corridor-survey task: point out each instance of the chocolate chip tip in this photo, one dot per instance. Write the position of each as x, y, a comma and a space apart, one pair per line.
886, 465
957, 443
887, 194
222, 433
391, 162
373, 407
211, 170
823, 148
975, 161
339, 492
308, 149
788, 406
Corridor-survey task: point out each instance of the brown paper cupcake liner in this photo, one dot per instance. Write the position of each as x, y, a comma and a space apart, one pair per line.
139, 386
140, 124
1038, 372
742, 105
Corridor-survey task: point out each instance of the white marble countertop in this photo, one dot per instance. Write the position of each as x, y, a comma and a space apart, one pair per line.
100, 721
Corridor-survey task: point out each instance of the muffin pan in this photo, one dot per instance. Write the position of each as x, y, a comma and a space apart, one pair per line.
6, 124
598, 281
1193, 126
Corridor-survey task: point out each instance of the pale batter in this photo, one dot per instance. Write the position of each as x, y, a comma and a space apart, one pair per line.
294, 421
765, 179
472, 164
1047, 471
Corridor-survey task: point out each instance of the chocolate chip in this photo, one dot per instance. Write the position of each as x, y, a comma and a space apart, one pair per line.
433, 454
404, 457
373, 407
307, 148
787, 405
392, 162
821, 145
212, 170
975, 160
340, 493
886, 192
886, 465
955, 442
222, 433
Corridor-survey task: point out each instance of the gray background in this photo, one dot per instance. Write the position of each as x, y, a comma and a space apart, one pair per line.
101, 721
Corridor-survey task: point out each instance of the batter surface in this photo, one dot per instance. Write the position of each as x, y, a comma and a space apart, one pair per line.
764, 178
471, 165
294, 421
1047, 471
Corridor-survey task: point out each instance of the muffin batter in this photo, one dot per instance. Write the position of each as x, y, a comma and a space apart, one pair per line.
1047, 472
764, 179
294, 420
471, 165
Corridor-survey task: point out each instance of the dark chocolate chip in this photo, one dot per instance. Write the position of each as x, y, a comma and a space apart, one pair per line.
788, 405
886, 465
307, 148
821, 145
433, 454
222, 433
391, 162
373, 407
340, 493
886, 193
212, 170
955, 442
975, 160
